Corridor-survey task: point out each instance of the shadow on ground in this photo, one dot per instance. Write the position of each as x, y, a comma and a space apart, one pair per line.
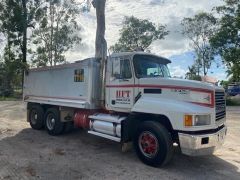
78, 155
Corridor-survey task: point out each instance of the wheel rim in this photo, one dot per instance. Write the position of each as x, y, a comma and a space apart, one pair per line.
148, 144
50, 122
33, 116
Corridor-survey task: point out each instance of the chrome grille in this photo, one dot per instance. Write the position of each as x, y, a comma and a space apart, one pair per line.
220, 105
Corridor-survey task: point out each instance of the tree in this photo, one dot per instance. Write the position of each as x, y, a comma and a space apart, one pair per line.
226, 40
192, 73
10, 72
138, 34
16, 16
100, 43
225, 84
56, 31
1, 77
199, 30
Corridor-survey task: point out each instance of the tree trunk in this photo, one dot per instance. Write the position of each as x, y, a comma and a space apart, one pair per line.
51, 34
100, 43
24, 48
24, 43
204, 67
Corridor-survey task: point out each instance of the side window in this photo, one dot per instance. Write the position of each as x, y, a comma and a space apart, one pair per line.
79, 75
121, 69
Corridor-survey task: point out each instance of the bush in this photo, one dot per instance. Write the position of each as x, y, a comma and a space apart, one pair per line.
233, 102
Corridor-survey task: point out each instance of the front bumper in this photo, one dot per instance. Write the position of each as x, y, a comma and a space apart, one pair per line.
201, 144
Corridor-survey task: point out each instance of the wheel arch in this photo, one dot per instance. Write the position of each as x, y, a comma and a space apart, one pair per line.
44, 106
131, 124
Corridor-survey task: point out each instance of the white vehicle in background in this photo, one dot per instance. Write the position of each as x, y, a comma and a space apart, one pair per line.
139, 102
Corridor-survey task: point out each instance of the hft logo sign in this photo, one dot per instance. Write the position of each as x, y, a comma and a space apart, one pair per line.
123, 96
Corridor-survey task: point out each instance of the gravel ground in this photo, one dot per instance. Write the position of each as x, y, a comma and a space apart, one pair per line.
31, 154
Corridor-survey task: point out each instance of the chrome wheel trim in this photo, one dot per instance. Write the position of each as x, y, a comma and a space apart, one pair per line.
50, 121
33, 116
148, 144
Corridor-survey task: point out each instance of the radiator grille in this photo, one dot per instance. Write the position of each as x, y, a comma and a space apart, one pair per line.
220, 105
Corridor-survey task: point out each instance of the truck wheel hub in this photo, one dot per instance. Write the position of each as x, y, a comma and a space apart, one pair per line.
50, 122
148, 144
34, 117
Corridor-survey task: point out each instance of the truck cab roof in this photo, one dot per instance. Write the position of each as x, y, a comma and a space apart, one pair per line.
164, 60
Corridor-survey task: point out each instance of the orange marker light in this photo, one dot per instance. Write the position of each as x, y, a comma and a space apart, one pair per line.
188, 120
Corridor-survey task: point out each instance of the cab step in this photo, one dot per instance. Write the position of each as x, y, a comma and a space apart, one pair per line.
113, 138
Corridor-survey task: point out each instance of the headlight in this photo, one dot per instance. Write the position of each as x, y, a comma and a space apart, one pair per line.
197, 120
202, 120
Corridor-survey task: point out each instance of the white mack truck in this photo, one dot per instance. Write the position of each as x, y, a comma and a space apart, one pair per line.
128, 98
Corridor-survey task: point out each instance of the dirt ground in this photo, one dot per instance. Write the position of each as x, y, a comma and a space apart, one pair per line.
31, 154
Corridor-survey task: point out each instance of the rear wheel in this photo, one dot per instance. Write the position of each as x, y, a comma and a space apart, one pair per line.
153, 144
52, 122
36, 117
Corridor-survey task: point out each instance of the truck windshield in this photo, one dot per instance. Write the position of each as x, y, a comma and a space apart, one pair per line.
150, 67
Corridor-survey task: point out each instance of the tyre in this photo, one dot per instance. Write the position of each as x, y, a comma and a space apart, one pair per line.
36, 117
52, 122
153, 144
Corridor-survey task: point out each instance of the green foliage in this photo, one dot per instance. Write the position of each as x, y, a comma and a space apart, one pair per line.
3, 98
10, 72
226, 40
199, 29
232, 102
192, 73
138, 34
225, 84
9, 18
56, 31
16, 16
13, 21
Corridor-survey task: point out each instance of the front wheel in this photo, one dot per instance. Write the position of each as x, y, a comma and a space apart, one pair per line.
153, 144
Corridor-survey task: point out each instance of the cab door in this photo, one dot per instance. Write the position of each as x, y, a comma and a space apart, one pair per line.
120, 84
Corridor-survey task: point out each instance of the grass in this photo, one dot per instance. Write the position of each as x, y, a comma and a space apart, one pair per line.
2, 98
17, 95
233, 102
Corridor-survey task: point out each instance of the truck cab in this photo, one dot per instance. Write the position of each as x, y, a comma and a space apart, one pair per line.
140, 83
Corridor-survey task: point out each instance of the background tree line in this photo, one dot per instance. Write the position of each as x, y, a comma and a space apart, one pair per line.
39, 32
215, 35
211, 34
35, 33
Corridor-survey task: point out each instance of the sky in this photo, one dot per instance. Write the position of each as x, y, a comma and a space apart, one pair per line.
168, 12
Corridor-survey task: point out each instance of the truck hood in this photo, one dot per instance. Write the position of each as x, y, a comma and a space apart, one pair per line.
177, 83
